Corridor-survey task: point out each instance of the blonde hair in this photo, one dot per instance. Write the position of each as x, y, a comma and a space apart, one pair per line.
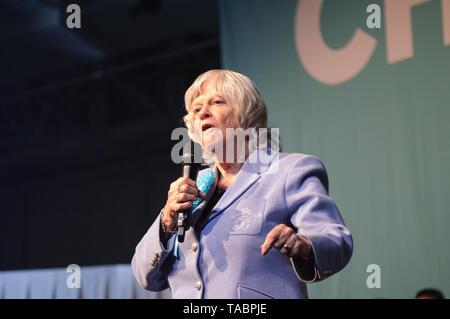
237, 90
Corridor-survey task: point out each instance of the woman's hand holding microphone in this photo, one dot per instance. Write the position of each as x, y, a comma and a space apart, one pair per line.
182, 194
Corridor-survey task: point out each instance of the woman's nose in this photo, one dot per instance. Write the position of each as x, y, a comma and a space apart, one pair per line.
204, 113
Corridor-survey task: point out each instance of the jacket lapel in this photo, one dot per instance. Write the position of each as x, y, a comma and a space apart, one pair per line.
257, 163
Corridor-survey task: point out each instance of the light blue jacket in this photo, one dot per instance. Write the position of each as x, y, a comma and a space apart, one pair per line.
226, 261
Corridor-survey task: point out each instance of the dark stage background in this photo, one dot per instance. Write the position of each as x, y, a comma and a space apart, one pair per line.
85, 122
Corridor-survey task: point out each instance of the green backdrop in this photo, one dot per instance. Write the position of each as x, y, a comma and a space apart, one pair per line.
383, 134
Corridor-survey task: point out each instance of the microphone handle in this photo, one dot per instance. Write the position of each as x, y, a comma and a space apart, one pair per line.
191, 172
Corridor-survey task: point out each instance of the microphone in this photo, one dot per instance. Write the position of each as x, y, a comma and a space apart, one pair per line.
190, 169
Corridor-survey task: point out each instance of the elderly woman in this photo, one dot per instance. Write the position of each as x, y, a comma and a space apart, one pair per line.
265, 226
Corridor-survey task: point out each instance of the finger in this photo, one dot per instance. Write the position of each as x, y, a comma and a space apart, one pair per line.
185, 188
279, 243
285, 250
283, 243
283, 240
184, 197
291, 246
292, 240
180, 207
174, 185
188, 181
271, 239
286, 233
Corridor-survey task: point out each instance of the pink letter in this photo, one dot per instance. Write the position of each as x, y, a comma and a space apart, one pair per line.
446, 21
399, 39
327, 65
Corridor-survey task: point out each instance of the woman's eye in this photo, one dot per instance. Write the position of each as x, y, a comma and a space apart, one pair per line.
196, 109
218, 102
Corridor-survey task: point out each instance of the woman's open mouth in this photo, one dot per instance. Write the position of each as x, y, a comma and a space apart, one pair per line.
206, 127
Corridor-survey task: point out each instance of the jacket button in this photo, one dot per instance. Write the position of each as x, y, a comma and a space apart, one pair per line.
198, 285
194, 247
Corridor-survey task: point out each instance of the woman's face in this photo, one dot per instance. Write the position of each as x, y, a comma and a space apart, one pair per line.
212, 114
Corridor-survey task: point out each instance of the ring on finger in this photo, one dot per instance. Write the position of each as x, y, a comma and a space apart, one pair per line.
285, 249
